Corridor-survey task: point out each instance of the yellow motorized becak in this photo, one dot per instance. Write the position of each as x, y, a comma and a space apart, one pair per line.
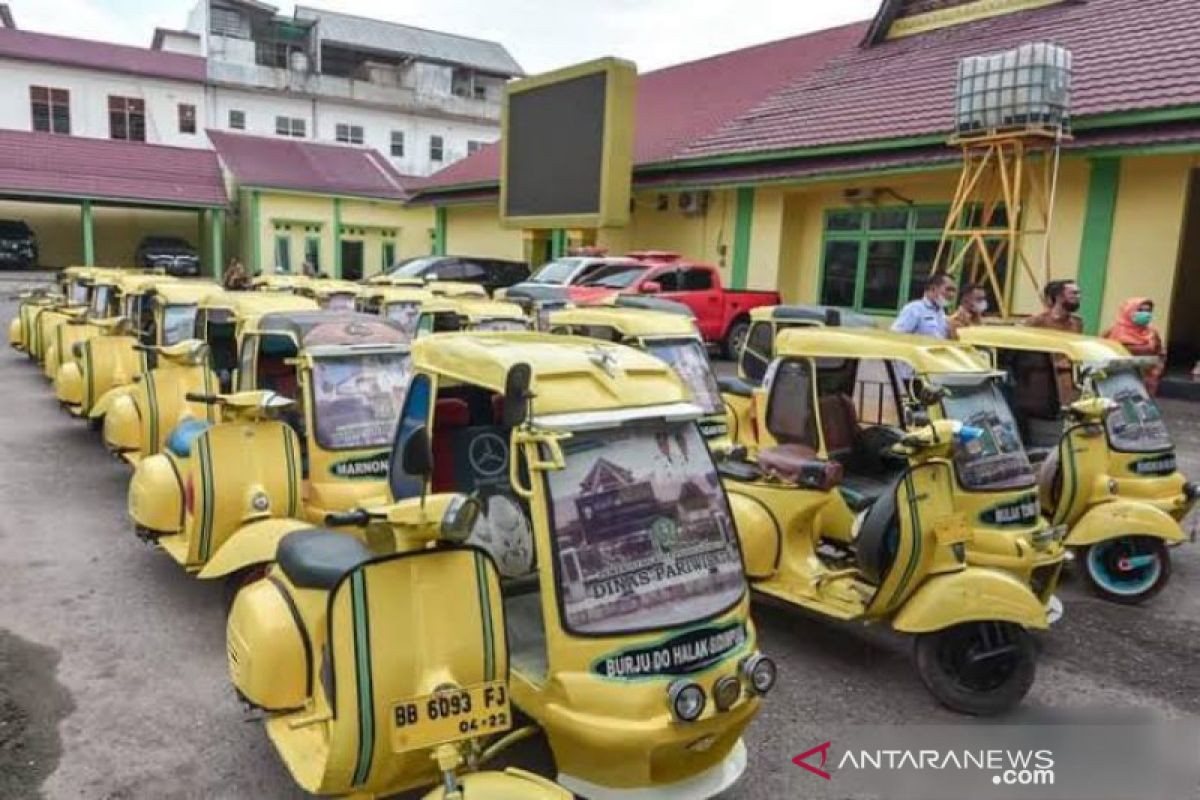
39, 318
759, 351
411, 650
318, 443
863, 503
538, 301
627, 611
80, 324
330, 294
398, 304
663, 329
155, 310
1107, 463
453, 314
221, 315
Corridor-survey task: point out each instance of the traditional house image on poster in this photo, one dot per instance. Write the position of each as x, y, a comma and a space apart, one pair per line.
643, 529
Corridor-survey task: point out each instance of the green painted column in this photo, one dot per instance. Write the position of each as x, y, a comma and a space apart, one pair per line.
255, 233
558, 243
1097, 238
439, 231
216, 249
89, 234
337, 237
743, 224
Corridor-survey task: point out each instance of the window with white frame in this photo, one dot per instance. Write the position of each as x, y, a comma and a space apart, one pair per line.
187, 118
397, 144
237, 119
50, 109
474, 146
437, 148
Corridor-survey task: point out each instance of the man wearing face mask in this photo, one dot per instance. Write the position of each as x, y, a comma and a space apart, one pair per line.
972, 305
927, 316
1062, 301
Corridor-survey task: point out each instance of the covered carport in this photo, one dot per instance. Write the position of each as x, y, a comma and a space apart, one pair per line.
91, 201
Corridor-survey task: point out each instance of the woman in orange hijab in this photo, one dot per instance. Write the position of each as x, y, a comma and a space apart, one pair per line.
1133, 330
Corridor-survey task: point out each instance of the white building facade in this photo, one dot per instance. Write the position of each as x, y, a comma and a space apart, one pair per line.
423, 99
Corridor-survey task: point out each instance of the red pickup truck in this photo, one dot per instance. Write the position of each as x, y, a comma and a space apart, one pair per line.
723, 315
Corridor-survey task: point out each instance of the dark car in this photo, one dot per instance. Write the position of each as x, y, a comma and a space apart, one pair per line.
18, 245
169, 253
491, 273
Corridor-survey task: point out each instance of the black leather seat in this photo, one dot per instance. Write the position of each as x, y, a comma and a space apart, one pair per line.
736, 386
318, 558
879, 536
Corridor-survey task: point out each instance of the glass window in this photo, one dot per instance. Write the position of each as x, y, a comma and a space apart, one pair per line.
889, 220
843, 221
312, 252
291, 126
437, 148
1136, 424
246, 364
397, 144
405, 315
387, 255
283, 253
924, 256
237, 119
100, 297
840, 274
696, 280
643, 536
875, 395
474, 146
357, 399
790, 418
668, 280
689, 359
415, 415
931, 219
349, 134
187, 118
50, 109
996, 459
557, 272
758, 352
885, 268
127, 118
179, 323
616, 277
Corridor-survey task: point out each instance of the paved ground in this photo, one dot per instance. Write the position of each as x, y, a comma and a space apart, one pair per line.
112, 669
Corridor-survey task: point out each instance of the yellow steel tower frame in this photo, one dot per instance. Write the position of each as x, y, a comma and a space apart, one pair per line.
1003, 209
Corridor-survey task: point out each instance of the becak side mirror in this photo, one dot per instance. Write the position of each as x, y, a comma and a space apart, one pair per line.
417, 457
517, 395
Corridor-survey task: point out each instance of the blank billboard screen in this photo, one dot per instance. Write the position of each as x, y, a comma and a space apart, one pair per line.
556, 148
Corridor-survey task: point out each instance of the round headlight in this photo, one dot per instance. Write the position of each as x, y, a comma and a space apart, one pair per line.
726, 692
459, 519
686, 700
760, 672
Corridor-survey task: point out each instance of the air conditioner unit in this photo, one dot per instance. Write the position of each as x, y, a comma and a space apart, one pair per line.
693, 204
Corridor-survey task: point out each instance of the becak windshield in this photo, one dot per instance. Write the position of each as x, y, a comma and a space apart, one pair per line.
497, 324
643, 534
357, 398
179, 323
996, 459
405, 315
1136, 424
690, 362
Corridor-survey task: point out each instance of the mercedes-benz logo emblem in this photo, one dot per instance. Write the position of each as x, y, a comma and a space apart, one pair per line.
488, 454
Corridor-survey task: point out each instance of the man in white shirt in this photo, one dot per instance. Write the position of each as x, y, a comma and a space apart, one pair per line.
927, 316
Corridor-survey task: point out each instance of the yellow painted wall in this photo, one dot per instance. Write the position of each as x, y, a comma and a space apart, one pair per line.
1147, 232
412, 228
476, 231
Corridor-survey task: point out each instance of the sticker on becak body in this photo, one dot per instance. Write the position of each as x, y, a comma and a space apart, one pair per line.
682, 654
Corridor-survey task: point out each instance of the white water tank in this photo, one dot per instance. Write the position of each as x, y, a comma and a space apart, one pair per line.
1023, 88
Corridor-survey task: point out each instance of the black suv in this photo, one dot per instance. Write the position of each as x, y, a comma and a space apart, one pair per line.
491, 273
18, 245
168, 253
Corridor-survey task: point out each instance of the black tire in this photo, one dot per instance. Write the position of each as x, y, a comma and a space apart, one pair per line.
95, 424
735, 337
985, 689
1101, 570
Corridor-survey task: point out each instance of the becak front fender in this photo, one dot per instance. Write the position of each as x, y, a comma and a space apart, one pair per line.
123, 425
1121, 518
974, 594
249, 546
156, 496
101, 407
68, 385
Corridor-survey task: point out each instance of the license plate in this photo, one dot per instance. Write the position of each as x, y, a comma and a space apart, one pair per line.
449, 716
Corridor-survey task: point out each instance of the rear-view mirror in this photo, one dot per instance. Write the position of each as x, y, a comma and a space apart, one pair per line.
516, 395
417, 458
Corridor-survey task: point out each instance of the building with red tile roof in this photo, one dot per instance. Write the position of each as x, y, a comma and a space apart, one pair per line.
824, 163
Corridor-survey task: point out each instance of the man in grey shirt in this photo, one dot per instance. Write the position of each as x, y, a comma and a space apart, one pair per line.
927, 316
